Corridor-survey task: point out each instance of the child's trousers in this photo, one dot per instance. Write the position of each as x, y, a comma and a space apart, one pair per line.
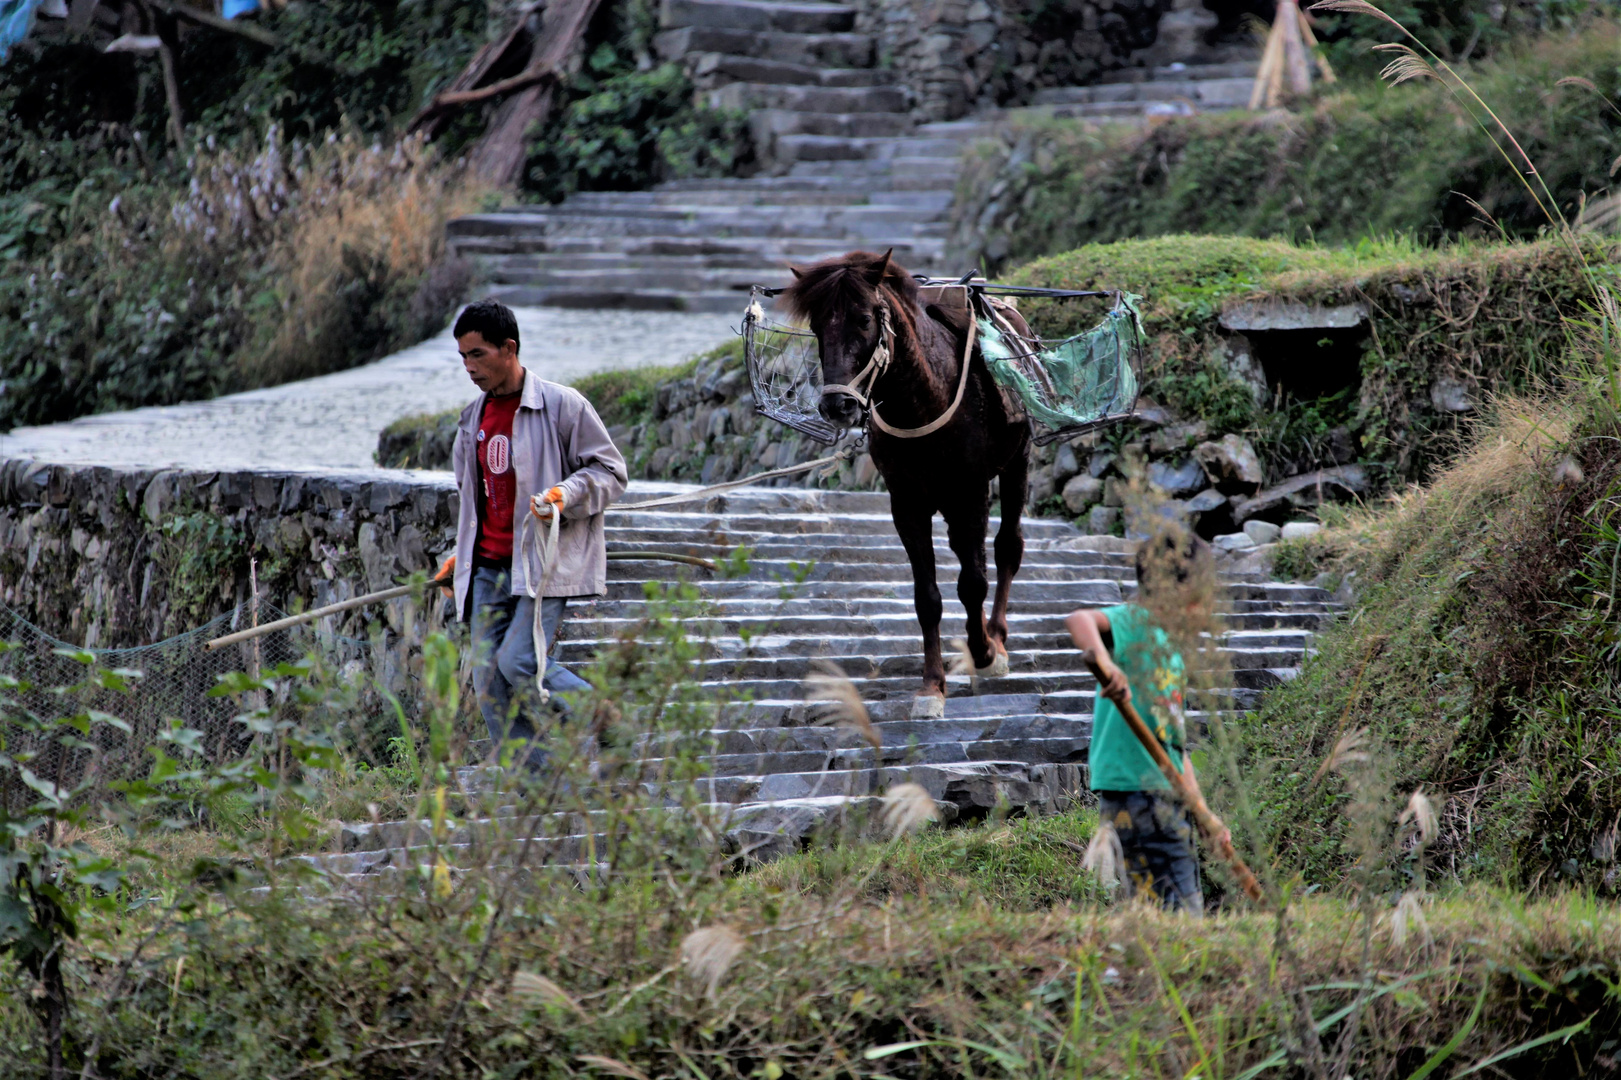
1156, 837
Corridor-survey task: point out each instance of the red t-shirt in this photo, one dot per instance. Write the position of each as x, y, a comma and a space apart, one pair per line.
496, 474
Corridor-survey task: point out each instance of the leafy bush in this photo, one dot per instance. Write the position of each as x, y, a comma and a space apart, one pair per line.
624, 130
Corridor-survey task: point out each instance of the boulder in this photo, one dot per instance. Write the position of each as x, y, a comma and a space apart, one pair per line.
1451, 395
1299, 530
1233, 542
1065, 464
1232, 464
1041, 488
1178, 478
1081, 492
1177, 438
1102, 520
1262, 532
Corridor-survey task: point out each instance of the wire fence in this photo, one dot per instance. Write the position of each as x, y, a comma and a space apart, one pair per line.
171, 685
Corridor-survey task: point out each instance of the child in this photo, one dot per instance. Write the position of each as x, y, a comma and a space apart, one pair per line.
1143, 667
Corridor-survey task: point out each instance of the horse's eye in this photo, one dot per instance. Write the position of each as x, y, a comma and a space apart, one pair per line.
863, 320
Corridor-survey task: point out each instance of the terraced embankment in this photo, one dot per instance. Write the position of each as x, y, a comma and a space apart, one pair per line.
777, 775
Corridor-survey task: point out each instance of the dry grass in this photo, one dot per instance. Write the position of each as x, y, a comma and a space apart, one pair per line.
349, 226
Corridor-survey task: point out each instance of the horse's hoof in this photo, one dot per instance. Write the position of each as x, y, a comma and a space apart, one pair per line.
995, 669
928, 707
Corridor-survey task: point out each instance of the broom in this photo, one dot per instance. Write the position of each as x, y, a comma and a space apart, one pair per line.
1214, 830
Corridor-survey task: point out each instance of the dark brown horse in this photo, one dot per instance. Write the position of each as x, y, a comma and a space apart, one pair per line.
898, 350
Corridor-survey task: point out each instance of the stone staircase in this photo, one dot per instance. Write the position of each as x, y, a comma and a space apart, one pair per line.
776, 775
844, 165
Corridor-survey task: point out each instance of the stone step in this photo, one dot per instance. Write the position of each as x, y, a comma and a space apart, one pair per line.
759, 525
1077, 589
620, 300
903, 688
767, 124
758, 15
1220, 93
1241, 69
711, 70
745, 96
897, 611
838, 50
727, 250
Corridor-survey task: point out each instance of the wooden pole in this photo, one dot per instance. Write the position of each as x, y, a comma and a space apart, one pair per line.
1294, 49
1310, 39
1271, 62
1215, 832
310, 616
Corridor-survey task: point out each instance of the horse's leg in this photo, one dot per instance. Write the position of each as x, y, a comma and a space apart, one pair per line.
1009, 544
915, 525
965, 530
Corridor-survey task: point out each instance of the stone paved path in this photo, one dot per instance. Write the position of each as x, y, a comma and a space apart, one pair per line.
331, 422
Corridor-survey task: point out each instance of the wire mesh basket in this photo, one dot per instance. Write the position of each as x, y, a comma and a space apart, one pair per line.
1072, 386
785, 373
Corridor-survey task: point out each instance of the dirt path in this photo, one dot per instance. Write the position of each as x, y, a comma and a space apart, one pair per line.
333, 421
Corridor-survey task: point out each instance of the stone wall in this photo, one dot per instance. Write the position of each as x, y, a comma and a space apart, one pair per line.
110, 558
704, 429
959, 55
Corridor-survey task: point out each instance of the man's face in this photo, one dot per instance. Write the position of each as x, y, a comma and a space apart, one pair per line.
489, 366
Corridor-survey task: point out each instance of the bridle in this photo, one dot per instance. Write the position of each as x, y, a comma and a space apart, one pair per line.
878, 363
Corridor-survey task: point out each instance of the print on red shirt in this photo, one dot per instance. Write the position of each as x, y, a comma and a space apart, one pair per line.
499, 482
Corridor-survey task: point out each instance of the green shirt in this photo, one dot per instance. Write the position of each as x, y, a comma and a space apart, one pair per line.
1117, 761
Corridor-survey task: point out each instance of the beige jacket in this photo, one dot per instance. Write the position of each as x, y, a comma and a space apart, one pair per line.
557, 439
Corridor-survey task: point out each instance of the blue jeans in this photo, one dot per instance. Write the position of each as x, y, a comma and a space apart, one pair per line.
504, 658
1157, 840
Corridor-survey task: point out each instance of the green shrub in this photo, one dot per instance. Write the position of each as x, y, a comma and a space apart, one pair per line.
1363, 160
625, 130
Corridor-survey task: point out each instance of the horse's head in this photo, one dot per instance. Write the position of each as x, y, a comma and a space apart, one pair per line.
849, 302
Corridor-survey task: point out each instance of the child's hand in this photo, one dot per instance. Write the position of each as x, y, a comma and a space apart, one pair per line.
1114, 686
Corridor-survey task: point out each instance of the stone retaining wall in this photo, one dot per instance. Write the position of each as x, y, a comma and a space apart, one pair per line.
111, 558
958, 55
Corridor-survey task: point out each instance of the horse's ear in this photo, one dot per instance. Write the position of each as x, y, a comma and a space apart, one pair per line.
880, 269
799, 275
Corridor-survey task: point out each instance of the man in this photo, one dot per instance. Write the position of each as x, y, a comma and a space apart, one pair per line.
521, 437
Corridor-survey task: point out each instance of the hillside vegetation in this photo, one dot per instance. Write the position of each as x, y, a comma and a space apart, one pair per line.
1362, 159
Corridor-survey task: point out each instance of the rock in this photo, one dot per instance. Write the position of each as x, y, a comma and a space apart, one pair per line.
1262, 532
1451, 395
1113, 492
1041, 488
1299, 530
1177, 438
1341, 446
1099, 463
1143, 522
1232, 464
1065, 464
1178, 479
1206, 501
1276, 314
866, 471
1350, 479
720, 421
1102, 520
1233, 542
1150, 415
1081, 492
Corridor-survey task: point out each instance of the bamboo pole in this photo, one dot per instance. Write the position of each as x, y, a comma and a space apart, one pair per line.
1271, 62
1215, 832
404, 590
1323, 68
1294, 49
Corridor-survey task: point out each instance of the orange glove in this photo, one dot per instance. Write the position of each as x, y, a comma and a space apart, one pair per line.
446, 578
551, 503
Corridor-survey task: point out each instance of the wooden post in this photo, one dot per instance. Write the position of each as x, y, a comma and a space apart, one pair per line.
1294, 49
1215, 832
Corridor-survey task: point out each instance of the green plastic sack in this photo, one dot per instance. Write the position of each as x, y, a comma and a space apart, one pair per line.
1080, 382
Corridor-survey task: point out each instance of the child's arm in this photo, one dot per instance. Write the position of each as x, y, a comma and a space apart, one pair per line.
1086, 629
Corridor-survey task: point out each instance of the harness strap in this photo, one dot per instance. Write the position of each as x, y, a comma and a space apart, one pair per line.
945, 417
877, 364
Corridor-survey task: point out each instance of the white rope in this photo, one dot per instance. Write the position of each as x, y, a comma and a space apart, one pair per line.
540, 554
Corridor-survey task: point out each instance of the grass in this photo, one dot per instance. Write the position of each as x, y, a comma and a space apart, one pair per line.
1359, 160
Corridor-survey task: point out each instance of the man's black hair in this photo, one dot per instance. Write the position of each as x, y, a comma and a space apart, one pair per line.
490, 319
1168, 558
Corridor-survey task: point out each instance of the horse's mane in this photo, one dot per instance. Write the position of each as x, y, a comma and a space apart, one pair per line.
845, 282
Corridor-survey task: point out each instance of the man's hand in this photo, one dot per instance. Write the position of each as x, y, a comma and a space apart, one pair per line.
446, 578
544, 506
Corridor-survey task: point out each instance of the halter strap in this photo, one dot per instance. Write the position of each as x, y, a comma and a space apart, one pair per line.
877, 364
945, 417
